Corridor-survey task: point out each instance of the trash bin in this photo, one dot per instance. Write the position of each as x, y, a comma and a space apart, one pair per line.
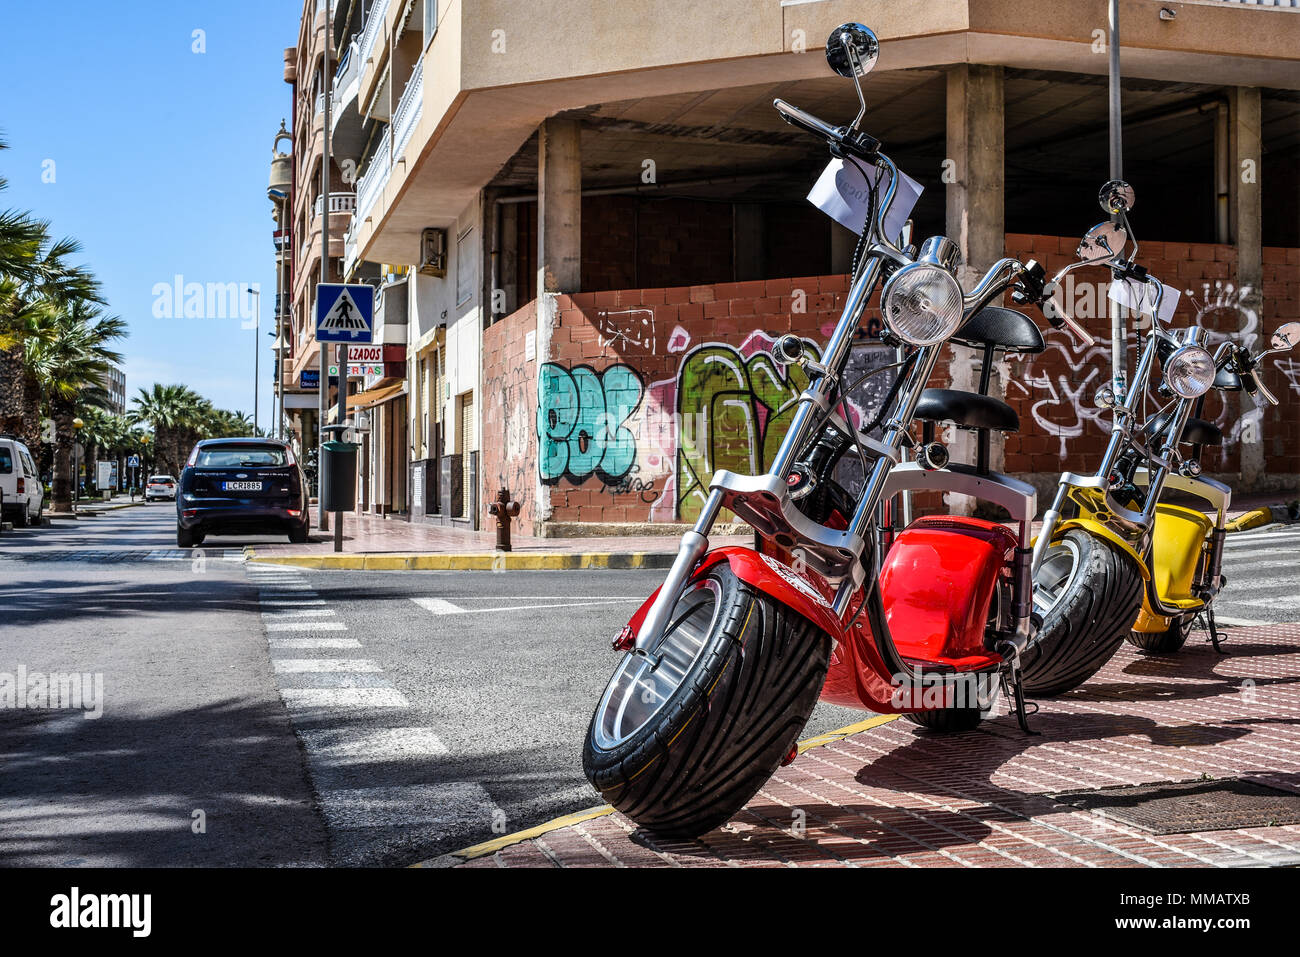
339, 476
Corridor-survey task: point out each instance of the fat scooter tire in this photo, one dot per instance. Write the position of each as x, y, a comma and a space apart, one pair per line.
947, 720
733, 718
1163, 642
1081, 632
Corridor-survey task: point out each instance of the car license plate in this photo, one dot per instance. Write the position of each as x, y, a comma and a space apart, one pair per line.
242, 486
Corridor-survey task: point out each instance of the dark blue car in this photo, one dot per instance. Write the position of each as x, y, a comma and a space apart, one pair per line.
246, 486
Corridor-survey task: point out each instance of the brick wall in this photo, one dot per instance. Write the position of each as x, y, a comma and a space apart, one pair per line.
644, 392
508, 438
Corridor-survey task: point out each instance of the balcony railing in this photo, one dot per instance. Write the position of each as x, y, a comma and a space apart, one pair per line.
409, 109
372, 181
346, 80
339, 203
370, 32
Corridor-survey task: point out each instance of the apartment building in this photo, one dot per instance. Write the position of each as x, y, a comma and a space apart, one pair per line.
113, 381
588, 225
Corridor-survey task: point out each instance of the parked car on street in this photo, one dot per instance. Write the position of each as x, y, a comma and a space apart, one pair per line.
241, 486
160, 487
22, 495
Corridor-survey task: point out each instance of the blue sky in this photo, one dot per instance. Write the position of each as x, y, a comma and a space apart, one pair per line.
160, 161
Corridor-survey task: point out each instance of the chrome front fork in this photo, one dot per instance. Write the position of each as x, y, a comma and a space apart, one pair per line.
814, 400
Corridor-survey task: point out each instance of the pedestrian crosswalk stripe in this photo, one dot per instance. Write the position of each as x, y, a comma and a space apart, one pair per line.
278, 614
301, 665
326, 698
305, 626
291, 602
1232, 622
1257, 538
341, 746
305, 643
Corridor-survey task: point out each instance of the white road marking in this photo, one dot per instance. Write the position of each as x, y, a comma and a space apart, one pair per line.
287, 586
1279, 602
305, 626
435, 808
1238, 622
340, 746
1248, 538
279, 614
301, 665
1230, 561
291, 602
440, 606
304, 643
325, 698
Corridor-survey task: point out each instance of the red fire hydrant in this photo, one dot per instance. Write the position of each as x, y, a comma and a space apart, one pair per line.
504, 508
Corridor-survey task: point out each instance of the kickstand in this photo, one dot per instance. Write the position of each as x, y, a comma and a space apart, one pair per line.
1018, 696
1216, 636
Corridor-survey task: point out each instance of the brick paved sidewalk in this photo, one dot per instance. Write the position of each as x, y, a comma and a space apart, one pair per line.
897, 796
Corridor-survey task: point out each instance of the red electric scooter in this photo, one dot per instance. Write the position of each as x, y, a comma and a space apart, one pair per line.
723, 664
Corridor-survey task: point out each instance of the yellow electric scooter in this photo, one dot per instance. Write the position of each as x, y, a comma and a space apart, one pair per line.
1158, 569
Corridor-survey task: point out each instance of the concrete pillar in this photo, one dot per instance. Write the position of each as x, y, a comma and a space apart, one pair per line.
559, 206
975, 170
1245, 213
976, 159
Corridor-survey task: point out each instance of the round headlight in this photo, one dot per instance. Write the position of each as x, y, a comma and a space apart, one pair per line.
922, 304
1189, 372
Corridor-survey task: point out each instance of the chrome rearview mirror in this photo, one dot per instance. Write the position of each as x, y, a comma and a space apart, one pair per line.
1287, 337
1103, 243
851, 50
1116, 197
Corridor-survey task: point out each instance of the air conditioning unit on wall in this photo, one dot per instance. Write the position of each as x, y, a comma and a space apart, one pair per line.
433, 252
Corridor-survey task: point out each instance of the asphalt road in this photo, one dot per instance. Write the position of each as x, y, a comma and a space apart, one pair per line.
327, 716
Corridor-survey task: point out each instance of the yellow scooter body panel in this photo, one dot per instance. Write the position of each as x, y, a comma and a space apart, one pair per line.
1176, 547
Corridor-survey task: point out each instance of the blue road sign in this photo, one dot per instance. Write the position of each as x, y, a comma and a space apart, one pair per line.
133, 462
345, 312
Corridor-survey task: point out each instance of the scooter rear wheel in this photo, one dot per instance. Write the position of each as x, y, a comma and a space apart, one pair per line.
680, 746
1088, 593
1164, 642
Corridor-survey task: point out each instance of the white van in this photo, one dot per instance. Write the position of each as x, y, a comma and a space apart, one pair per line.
23, 496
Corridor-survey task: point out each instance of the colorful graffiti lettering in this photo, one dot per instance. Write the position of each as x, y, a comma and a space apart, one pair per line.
581, 422
730, 414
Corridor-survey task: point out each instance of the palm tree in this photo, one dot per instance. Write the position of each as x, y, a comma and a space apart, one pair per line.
173, 412
69, 363
35, 278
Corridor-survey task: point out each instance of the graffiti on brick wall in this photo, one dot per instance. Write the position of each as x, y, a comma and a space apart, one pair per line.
582, 422
626, 329
733, 411
1063, 380
724, 407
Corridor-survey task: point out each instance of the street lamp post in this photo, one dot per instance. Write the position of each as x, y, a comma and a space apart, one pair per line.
77, 425
257, 349
277, 191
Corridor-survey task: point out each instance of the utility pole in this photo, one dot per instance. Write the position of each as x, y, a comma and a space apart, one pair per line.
326, 85
1118, 336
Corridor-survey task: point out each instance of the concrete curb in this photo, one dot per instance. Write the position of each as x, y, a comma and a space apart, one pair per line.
468, 561
453, 858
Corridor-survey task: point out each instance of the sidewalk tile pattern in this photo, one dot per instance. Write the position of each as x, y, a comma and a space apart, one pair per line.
896, 796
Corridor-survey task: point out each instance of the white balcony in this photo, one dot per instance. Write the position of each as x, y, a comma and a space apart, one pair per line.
370, 33
371, 183
346, 83
339, 203
409, 109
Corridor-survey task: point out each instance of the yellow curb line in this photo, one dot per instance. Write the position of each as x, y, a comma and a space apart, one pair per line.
470, 561
577, 817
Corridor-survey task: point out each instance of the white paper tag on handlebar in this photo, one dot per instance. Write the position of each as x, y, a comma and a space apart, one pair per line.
841, 193
1141, 297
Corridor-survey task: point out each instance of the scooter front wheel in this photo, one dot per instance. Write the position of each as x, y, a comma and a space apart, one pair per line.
1088, 593
688, 733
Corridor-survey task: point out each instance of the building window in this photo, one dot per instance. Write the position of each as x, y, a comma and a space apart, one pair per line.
430, 20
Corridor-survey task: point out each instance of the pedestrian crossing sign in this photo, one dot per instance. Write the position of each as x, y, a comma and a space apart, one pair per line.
345, 312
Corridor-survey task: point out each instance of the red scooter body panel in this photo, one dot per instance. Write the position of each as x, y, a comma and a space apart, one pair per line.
936, 584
